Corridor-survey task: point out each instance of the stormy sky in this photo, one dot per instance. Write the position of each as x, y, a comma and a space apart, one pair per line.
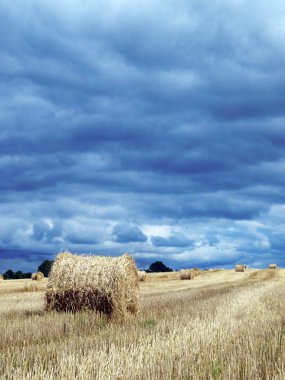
149, 127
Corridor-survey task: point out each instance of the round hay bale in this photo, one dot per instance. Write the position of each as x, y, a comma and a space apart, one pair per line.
142, 275
186, 274
272, 266
105, 284
38, 276
240, 268
196, 272
1, 277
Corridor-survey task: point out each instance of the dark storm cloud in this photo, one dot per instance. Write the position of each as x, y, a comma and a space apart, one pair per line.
171, 241
166, 113
43, 231
126, 233
24, 260
81, 239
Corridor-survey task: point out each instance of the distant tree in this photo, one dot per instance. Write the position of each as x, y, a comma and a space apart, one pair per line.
159, 266
18, 275
45, 267
27, 275
9, 274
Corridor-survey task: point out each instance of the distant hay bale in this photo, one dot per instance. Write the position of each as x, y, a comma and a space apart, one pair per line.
196, 272
240, 268
142, 275
108, 285
272, 266
1, 277
186, 274
38, 276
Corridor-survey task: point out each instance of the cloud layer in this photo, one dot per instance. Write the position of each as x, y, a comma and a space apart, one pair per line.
155, 128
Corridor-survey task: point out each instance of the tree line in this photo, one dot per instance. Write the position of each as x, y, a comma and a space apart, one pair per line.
45, 267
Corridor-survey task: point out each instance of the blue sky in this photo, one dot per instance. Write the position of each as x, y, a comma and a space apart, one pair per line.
150, 127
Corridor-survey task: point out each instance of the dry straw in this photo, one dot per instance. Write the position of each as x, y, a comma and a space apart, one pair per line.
189, 274
1, 277
142, 275
240, 268
186, 274
272, 266
105, 284
38, 276
196, 272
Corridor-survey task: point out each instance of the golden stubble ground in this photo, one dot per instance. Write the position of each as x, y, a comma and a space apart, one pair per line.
221, 325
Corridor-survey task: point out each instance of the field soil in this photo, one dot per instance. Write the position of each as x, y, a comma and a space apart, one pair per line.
221, 325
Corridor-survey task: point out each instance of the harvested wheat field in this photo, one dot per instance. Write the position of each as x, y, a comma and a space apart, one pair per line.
220, 325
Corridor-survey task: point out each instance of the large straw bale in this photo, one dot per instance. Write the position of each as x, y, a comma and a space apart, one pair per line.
272, 266
240, 268
106, 284
38, 276
186, 274
1, 277
142, 275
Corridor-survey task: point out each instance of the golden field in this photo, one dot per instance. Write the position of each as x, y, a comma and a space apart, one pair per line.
221, 325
